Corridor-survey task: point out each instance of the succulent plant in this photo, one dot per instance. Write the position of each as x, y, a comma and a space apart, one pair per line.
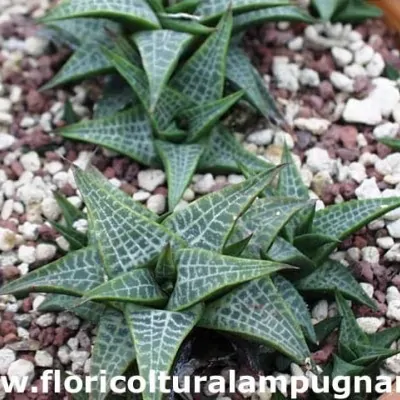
243, 261
173, 72
346, 10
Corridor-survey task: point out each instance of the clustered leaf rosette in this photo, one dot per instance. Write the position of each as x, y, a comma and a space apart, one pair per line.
242, 261
172, 73
345, 10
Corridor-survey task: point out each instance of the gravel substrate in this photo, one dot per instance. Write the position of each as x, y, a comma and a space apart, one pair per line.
329, 83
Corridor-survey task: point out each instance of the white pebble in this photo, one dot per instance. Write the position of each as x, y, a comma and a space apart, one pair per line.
309, 77
362, 111
7, 357
393, 254
320, 310
296, 44
8, 239
30, 161
156, 203
342, 82
385, 242
341, 56
319, 160
21, 369
376, 66
6, 141
368, 190
364, 55
370, 325
45, 251
393, 310
386, 130
205, 184
317, 126
46, 320
43, 359
261, 138
370, 254
27, 254
141, 195
50, 208
368, 289
150, 179
394, 229
355, 70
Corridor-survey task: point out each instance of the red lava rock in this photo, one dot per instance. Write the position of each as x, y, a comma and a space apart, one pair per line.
109, 173
47, 233
348, 136
359, 242
37, 139
10, 338
382, 150
325, 65
62, 334
11, 225
120, 165
347, 189
27, 305
17, 168
131, 172
364, 271
28, 357
326, 90
67, 190
46, 336
10, 272
7, 327
348, 154
161, 190
34, 332
362, 86
128, 188
36, 102
322, 356
19, 396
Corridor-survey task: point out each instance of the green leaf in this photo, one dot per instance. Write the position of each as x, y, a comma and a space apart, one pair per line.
385, 338
341, 220
113, 351
203, 274
224, 153
201, 119
257, 311
87, 61
297, 305
290, 183
243, 76
127, 238
283, 251
236, 249
324, 328
370, 356
76, 239
285, 13
170, 103
117, 95
69, 116
209, 9
309, 242
391, 72
89, 311
82, 28
158, 335
180, 162
137, 286
184, 25
333, 276
73, 274
202, 77
392, 143
343, 368
207, 222
350, 332
70, 213
166, 47
133, 11
358, 11
326, 9
166, 271
185, 6
128, 133
274, 213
